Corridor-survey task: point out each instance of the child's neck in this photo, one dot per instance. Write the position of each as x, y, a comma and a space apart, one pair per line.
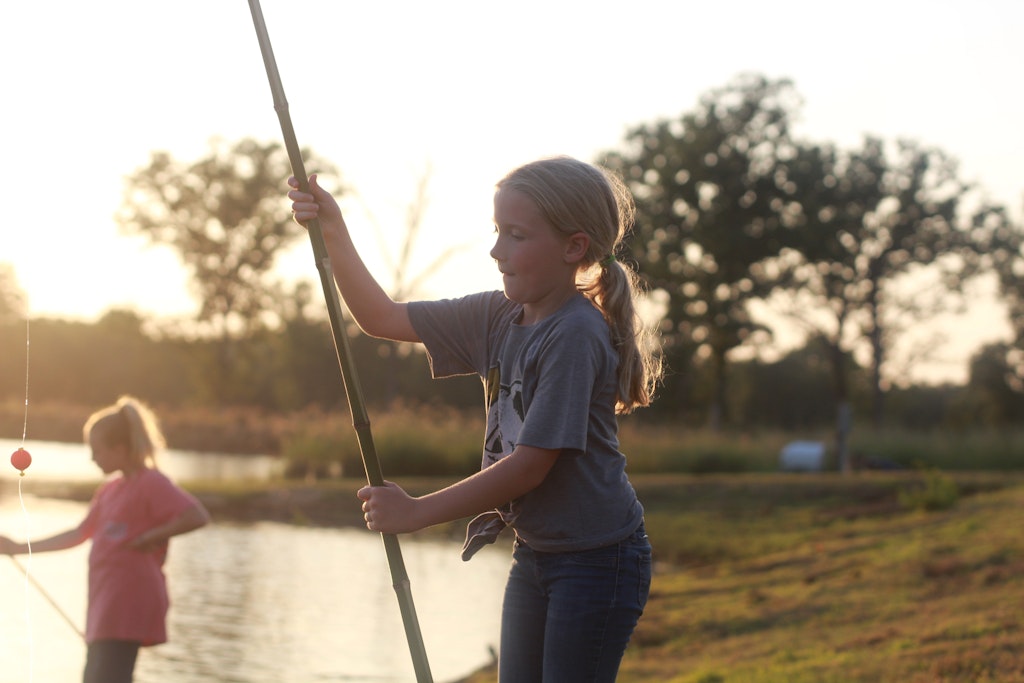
533, 314
131, 470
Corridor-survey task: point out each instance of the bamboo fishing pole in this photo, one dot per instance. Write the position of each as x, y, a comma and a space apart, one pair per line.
360, 420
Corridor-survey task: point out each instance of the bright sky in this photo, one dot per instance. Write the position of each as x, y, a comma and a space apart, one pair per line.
470, 89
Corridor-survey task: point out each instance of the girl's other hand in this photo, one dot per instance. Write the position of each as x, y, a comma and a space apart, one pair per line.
388, 509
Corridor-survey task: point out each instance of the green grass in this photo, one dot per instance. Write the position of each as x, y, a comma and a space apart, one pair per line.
830, 579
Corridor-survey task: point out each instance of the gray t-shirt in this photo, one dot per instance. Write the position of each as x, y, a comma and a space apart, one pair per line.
547, 385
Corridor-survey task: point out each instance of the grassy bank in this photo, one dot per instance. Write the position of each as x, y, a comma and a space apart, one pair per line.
910, 576
775, 578
827, 579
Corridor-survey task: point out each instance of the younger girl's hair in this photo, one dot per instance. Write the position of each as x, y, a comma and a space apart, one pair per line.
129, 423
575, 196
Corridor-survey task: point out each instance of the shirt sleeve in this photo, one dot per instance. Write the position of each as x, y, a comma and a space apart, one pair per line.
165, 499
458, 333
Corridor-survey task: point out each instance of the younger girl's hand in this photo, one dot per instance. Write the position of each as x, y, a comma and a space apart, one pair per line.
146, 542
7, 546
388, 509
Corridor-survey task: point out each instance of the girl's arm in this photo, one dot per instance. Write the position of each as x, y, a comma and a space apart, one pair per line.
389, 509
61, 541
371, 307
192, 518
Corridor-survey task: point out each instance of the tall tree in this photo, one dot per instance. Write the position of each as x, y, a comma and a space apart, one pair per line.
994, 396
874, 222
1007, 255
225, 217
821, 285
710, 215
12, 335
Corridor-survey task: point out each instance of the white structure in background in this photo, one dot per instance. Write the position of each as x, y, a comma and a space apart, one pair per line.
802, 456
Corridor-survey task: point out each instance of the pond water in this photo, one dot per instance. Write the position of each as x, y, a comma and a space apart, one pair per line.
54, 461
251, 603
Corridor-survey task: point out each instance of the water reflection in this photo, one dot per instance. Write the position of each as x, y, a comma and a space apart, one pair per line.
259, 603
55, 461
268, 602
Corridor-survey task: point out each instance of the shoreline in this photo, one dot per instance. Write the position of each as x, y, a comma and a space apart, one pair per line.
751, 549
327, 503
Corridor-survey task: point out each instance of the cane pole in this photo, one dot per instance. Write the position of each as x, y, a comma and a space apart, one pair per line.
360, 420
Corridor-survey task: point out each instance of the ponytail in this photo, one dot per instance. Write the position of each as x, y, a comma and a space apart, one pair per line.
615, 291
131, 424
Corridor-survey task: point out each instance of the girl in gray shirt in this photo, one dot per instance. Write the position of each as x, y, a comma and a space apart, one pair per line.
560, 351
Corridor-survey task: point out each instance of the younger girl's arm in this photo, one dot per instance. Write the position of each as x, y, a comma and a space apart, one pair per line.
189, 520
61, 541
374, 311
391, 510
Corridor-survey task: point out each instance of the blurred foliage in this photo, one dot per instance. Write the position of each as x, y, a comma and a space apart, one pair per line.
12, 298
226, 217
733, 212
76, 367
938, 492
427, 441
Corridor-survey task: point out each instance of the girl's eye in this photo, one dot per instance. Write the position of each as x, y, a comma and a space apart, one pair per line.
509, 234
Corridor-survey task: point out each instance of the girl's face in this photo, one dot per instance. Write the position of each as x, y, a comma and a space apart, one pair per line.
110, 458
538, 265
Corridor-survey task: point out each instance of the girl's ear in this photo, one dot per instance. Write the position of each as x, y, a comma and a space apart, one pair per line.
576, 247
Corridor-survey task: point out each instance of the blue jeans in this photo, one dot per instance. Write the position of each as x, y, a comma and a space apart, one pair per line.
567, 617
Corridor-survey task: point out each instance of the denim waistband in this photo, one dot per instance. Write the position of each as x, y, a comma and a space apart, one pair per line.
638, 534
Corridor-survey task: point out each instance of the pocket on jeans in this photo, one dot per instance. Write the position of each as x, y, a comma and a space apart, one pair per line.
606, 557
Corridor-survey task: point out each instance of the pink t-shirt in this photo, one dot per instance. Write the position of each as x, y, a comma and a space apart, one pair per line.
127, 589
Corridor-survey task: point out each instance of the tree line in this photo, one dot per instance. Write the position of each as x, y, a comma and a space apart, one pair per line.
292, 367
733, 210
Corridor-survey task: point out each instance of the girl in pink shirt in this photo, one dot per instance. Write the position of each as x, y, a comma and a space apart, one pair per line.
130, 519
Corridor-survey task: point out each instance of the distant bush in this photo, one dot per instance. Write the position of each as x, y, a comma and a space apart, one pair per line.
425, 441
429, 441
939, 492
653, 448
316, 453
980, 449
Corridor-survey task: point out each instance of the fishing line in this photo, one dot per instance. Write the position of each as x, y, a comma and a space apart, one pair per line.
28, 345
21, 459
28, 580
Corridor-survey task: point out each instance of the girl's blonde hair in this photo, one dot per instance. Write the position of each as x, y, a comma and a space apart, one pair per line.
575, 196
129, 423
